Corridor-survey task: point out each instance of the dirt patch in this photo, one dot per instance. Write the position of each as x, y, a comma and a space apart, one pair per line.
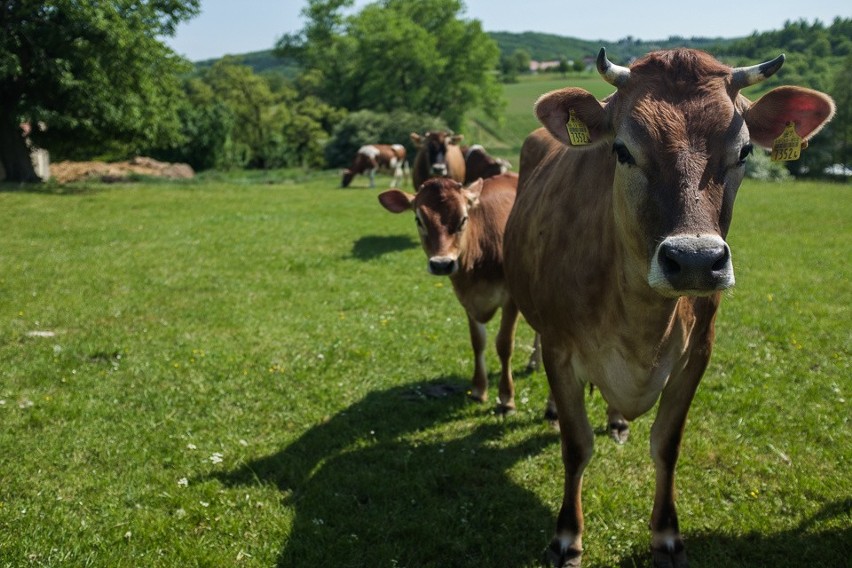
65, 172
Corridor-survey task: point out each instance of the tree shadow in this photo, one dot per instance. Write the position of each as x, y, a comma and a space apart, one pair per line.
50, 188
801, 547
372, 486
370, 247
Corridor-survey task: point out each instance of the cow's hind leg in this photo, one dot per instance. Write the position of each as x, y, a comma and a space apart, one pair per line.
535, 357
619, 429
566, 548
479, 390
505, 346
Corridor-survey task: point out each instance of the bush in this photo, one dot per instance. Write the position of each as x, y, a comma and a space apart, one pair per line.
760, 166
368, 127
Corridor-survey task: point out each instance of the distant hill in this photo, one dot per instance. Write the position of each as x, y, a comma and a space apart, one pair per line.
541, 47
261, 62
546, 47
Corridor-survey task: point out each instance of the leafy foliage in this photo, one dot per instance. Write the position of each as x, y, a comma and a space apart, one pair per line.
96, 73
397, 55
235, 118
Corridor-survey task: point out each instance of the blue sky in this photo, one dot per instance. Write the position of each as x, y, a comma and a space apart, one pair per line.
241, 26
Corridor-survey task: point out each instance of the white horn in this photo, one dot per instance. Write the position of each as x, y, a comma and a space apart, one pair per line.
742, 77
612, 73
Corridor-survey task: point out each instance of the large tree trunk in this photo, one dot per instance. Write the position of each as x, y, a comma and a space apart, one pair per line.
15, 155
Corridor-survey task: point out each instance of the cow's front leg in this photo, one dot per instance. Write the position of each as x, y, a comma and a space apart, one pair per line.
566, 548
666, 434
505, 346
479, 391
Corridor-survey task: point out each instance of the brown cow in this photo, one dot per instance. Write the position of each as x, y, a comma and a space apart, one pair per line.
378, 157
480, 164
615, 252
461, 230
438, 155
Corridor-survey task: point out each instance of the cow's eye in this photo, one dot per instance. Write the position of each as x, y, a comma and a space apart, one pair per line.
623, 154
462, 224
745, 153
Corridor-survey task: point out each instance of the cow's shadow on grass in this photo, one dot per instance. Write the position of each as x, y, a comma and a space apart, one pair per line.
801, 547
370, 247
402, 479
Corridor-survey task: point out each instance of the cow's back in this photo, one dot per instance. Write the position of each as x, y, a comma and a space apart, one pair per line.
559, 236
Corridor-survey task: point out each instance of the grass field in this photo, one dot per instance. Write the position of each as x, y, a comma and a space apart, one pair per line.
259, 372
504, 138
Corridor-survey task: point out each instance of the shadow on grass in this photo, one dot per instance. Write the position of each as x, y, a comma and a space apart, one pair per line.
373, 486
51, 188
370, 247
802, 547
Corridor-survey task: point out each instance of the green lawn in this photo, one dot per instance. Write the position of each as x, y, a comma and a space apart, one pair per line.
504, 138
260, 372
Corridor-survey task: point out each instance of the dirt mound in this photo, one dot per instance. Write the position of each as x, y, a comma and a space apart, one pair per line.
65, 172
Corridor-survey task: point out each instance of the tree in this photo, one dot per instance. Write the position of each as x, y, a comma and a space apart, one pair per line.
399, 55
94, 73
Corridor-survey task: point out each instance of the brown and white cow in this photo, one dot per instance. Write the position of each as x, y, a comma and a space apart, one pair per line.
378, 157
438, 155
615, 252
461, 230
480, 164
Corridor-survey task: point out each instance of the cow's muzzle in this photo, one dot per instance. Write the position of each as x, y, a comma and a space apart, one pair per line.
691, 266
443, 265
439, 170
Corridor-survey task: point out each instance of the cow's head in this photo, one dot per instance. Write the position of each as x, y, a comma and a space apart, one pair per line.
680, 133
347, 178
434, 145
441, 210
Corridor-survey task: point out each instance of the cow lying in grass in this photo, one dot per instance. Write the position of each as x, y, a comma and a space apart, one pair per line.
461, 230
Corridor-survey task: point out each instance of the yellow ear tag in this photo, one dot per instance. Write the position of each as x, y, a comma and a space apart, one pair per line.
788, 146
578, 132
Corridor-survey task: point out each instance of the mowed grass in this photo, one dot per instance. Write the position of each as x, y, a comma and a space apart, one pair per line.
232, 373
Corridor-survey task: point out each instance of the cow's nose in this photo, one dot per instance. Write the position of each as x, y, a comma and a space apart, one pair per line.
695, 264
442, 265
439, 169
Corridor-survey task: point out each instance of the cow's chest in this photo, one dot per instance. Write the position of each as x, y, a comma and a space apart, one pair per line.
631, 377
480, 298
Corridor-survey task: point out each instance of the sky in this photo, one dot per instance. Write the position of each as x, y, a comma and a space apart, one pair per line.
241, 26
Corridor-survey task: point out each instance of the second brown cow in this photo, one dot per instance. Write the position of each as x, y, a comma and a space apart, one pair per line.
461, 230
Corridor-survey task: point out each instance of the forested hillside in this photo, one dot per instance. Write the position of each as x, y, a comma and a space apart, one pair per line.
543, 47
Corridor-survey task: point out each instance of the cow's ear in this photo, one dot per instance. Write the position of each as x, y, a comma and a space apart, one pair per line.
473, 191
396, 201
456, 139
809, 110
554, 109
416, 138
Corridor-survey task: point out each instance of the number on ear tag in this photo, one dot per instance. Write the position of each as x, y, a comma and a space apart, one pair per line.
578, 132
788, 146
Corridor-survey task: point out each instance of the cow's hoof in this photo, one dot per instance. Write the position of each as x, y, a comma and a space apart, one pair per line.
551, 418
666, 558
504, 409
555, 557
477, 396
619, 431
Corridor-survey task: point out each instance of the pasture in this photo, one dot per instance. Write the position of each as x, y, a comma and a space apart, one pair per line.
260, 372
